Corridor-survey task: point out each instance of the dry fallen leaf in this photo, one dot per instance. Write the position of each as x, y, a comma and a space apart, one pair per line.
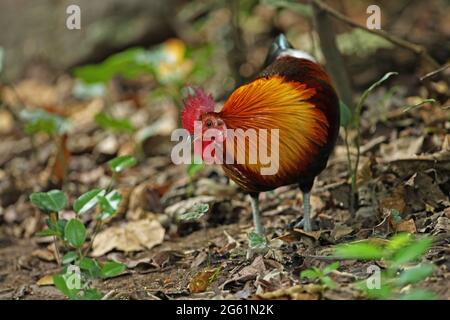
406, 226
340, 231
202, 280
132, 236
402, 148
43, 254
45, 280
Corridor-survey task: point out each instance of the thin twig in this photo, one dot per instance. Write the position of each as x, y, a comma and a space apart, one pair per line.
417, 49
435, 72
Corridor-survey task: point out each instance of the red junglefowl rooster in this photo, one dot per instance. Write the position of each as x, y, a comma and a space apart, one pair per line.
292, 94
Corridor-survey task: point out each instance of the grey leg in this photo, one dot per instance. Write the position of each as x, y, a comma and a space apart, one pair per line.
306, 221
307, 212
256, 215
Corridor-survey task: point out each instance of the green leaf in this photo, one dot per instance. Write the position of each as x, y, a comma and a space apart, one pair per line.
55, 228
328, 282
359, 251
43, 121
87, 201
115, 124
419, 294
256, 240
345, 114
198, 211
52, 201
60, 284
384, 292
128, 63
331, 267
91, 266
416, 274
309, 274
412, 252
112, 269
92, 294
398, 241
69, 257
120, 163
75, 233
109, 204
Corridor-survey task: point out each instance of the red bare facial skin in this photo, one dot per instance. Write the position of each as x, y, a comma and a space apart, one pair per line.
194, 107
200, 108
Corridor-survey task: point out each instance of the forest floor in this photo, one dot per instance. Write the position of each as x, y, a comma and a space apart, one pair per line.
404, 168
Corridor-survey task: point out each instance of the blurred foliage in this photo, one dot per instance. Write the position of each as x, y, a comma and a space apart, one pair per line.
321, 275
361, 43
171, 64
301, 8
400, 255
40, 121
110, 123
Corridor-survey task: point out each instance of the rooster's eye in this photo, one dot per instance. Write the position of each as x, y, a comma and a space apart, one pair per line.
208, 123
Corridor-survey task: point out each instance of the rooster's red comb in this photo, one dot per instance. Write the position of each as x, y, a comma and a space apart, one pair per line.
194, 106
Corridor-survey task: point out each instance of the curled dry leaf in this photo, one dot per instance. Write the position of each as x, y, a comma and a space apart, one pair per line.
202, 280
132, 236
143, 199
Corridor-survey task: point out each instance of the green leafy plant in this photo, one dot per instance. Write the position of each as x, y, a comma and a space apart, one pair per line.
401, 255
78, 269
321, 275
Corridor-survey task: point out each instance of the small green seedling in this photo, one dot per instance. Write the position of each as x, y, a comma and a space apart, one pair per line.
118, 164
400, 255
321, 275
78, 269
256, 241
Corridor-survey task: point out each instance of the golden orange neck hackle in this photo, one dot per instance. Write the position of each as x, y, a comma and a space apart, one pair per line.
275, 103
